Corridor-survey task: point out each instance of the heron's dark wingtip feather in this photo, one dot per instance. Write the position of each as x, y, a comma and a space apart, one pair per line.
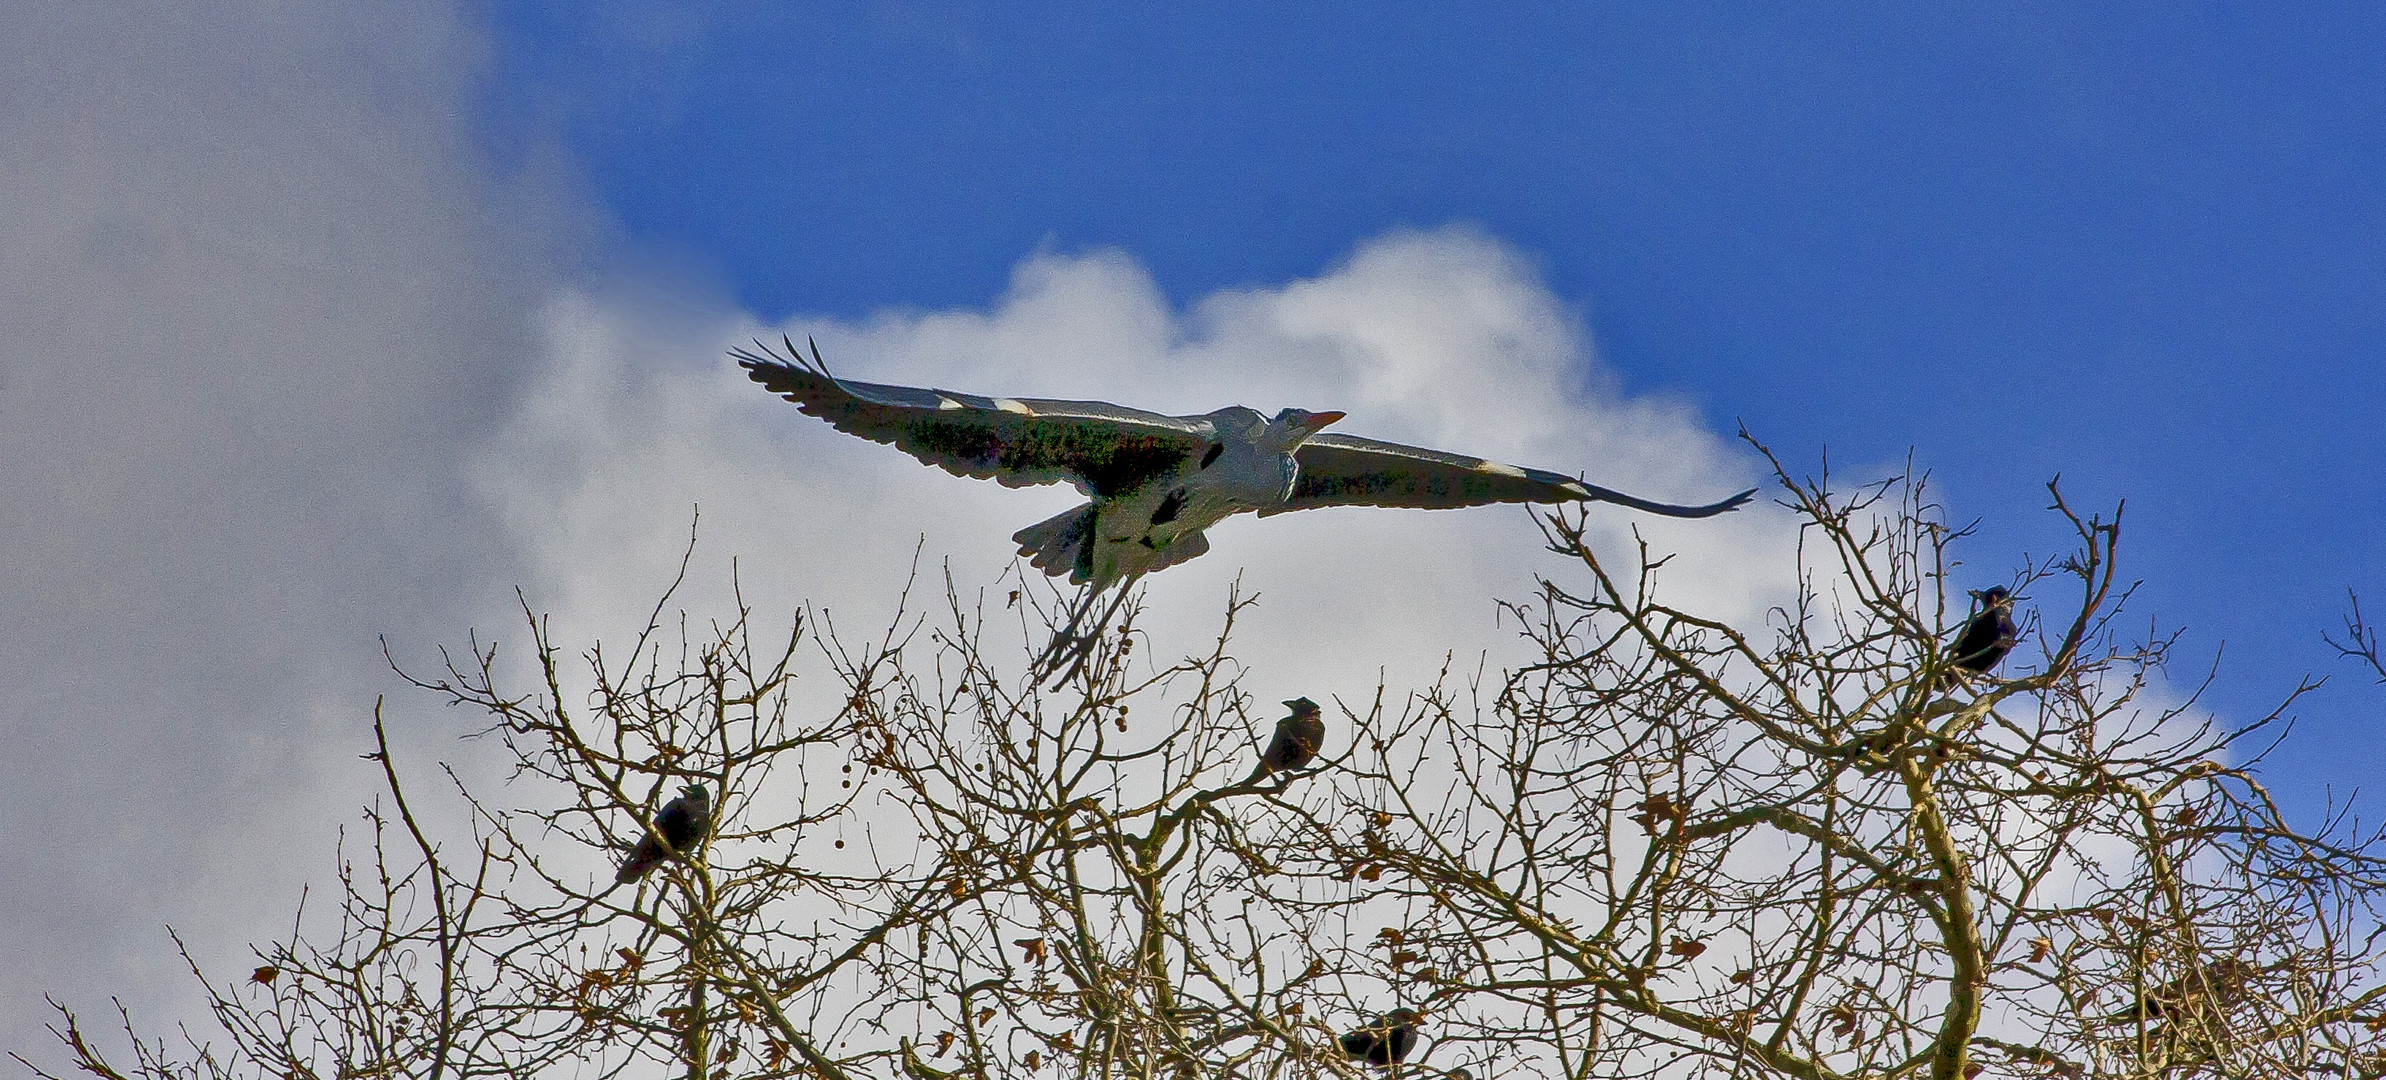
1733, 503
786, 375
1596, 493
1711, 509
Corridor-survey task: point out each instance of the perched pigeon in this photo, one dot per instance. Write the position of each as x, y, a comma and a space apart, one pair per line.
1989, 635
683, 822
1155, 482
1387, 1040
1297, 740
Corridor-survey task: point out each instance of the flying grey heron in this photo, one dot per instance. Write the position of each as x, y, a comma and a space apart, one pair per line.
1154, 482
682, 822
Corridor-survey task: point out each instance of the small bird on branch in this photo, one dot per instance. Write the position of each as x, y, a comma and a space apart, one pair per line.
683, 824
1386, 1041
1989, 635
1298, 738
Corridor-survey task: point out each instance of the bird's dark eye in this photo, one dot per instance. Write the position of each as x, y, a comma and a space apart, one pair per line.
1215, 449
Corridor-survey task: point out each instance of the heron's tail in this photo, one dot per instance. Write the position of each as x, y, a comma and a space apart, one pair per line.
1061, 545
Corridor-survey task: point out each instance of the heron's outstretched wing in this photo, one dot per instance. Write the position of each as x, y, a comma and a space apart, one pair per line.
1106, 449
1344, 470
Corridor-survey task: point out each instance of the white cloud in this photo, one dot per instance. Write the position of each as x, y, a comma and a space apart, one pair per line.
257, 293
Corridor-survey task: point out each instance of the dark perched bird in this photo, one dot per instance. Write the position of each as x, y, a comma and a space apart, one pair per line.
1298, 738
1387, 1040
683, 823
2221, 983
1989, 635
1155, 482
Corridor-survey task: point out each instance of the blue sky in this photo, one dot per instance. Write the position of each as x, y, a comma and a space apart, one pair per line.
330, 324
2139, 247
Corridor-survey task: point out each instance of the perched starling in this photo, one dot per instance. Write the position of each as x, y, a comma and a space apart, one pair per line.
2221, 982
1387, 1040
683, 822
1989, 635
1297, 740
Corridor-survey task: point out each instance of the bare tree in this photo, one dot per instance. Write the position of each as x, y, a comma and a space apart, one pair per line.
1827, 851
1816, 848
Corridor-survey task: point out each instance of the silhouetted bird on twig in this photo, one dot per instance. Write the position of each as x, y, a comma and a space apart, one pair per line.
1387, 1040
1298, 738
1989, 635
683, 823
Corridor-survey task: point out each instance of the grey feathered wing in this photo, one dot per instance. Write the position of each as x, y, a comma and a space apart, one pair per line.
1345, 470
1019, 442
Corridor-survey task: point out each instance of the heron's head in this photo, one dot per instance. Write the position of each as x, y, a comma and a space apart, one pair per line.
1994, 596
1295, 425
696, 793
1302, 706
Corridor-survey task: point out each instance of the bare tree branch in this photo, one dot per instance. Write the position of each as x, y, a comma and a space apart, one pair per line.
1669, 846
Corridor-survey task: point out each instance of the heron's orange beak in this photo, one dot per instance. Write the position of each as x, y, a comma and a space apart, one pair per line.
1318, 421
